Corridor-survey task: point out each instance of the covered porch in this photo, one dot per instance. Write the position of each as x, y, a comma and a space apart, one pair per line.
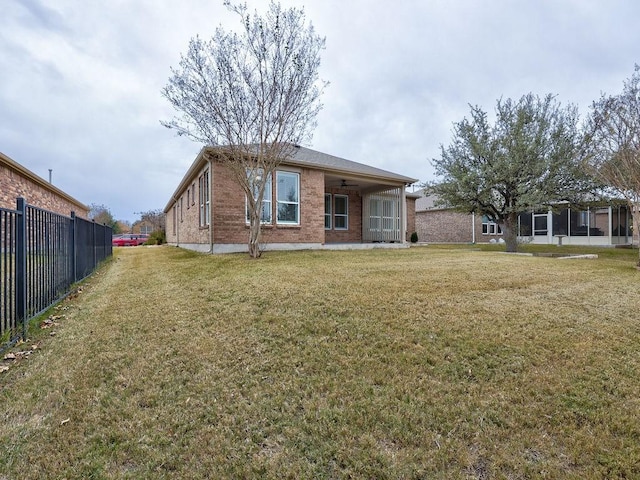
361, 210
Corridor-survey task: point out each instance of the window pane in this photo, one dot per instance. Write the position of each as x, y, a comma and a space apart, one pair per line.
287, 187
288, 212
341, 222
288, 194
341, 205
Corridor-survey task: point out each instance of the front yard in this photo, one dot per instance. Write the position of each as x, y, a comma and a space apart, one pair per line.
419, 363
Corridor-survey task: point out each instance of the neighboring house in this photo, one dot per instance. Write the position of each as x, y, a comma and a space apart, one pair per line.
599, 224
16, 181
329, 201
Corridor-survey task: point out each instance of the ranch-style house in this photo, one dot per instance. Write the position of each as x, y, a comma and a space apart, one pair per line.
313, 200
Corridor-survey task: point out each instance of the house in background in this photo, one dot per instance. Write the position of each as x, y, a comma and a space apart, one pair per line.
327, 200
599, 224
16, 181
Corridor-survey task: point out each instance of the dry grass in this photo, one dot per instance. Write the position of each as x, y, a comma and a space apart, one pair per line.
420, 363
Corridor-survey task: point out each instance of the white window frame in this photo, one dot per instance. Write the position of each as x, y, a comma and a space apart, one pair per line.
267, 199
341, 215
328, 220
489, 227
204, 199
282, 174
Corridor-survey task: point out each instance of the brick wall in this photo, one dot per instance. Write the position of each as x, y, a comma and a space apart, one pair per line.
16, 181
229, 217
228, 213
354, 233
411, 218
447, 226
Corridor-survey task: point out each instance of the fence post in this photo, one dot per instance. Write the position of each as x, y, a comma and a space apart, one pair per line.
21, 264
74, 253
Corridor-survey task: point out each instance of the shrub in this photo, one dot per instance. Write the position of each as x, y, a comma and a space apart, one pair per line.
414, 237
156, 238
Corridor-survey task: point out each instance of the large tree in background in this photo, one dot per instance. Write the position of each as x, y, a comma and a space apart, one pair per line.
612, 140
527, 159
254, 95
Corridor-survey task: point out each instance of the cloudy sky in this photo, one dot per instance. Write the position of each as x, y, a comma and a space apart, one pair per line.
80, 80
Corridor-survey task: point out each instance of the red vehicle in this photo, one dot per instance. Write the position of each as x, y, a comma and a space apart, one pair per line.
129, 240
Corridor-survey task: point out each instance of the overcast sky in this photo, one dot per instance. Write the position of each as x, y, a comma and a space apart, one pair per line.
80, 80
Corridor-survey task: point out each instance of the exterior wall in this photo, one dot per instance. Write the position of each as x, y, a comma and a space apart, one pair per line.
447, 226
183, 220
354, 233
444, 226
229, 214
411, 218
18, 182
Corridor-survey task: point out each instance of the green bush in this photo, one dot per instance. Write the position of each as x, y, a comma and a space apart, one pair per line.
156, 238
414, 237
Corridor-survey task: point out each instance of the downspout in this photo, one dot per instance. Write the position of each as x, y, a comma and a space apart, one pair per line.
473, 228
210, 205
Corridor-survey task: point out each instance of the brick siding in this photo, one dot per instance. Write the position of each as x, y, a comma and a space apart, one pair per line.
16, 181
228, 212
447, 226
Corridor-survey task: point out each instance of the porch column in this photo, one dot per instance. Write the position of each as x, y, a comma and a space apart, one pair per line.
403, 206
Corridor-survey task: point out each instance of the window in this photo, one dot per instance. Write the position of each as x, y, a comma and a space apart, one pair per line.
175, 218
288, 197
490, 227
181, 210
255, 178
203, 184
188, 196
341, 212
327, 211
193, 193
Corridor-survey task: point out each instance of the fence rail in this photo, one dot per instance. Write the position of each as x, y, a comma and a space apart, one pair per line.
42, 254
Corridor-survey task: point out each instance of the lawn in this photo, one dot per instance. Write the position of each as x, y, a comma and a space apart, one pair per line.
426, 362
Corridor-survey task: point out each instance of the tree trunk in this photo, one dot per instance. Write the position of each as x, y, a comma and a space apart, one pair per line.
510, 231
254, 237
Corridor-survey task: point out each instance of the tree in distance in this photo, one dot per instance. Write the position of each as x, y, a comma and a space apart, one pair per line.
612, 140
252, 96
102, 215
529, 158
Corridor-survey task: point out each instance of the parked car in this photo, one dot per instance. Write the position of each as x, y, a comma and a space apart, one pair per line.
129, 239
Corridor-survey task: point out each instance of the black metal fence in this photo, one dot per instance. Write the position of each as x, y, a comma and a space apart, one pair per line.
41, 255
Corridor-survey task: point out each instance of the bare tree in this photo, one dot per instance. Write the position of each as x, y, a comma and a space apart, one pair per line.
252, 95
613, 144
154, 218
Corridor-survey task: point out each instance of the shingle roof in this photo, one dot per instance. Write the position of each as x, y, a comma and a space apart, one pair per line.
312, 158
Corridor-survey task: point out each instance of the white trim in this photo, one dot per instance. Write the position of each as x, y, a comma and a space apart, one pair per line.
278, 201
345, 215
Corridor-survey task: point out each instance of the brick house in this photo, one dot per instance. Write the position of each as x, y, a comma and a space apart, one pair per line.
16, 181
598, 224
329, 201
